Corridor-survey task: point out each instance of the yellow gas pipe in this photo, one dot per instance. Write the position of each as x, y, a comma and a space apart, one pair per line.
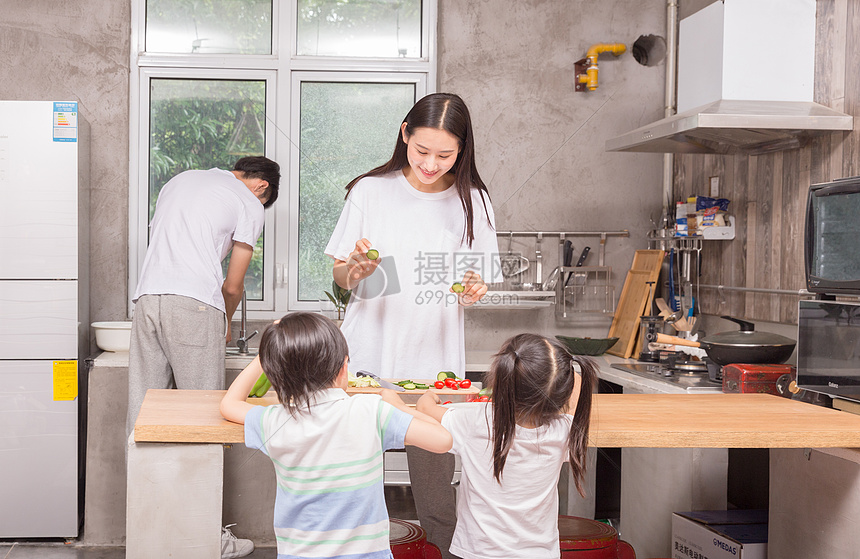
590, 76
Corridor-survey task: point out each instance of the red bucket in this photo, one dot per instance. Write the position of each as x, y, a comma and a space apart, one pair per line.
409, 541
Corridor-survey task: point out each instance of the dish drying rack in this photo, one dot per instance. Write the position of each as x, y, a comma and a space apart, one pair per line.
588, 289
526, 290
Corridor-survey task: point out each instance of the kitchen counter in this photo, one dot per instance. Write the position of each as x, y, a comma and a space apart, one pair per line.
618, 420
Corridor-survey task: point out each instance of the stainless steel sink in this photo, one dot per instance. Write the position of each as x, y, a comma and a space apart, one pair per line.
236, 352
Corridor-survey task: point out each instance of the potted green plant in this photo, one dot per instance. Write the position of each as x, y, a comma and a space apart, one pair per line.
339, 298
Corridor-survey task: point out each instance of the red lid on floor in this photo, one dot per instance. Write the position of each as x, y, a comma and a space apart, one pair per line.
403, 532
575, 533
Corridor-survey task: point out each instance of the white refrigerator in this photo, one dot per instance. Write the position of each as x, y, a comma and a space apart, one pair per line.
43, 317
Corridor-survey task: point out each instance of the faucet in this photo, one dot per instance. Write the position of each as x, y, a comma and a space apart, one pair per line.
242, 342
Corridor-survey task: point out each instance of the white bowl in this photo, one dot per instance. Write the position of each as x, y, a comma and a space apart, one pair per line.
113, 336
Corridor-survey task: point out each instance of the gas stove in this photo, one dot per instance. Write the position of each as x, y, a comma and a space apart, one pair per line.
691, 378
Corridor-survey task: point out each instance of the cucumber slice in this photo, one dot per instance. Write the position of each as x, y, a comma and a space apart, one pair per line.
372, 254
419, 386
409, 386
458, 288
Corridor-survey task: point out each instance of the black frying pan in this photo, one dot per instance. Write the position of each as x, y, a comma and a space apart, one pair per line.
741, 346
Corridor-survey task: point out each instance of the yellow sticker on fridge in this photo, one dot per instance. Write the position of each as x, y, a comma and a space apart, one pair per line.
65, 380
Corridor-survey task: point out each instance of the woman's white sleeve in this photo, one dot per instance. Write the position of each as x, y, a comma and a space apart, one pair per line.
349, 228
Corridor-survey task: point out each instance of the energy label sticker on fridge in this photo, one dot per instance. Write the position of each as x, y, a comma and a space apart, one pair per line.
65, 380
65, 121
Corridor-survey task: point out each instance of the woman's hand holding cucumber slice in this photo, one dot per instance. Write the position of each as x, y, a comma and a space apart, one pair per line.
470, 289
361, 263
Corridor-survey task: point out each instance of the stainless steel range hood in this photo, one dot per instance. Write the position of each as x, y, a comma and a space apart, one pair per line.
730, 126
745, 83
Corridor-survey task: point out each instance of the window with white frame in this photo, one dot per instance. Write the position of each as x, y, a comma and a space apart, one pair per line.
319, 86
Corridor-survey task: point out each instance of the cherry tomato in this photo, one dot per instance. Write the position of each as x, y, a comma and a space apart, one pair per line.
454, 386
439, 384
465, 383
449, 383
448, 402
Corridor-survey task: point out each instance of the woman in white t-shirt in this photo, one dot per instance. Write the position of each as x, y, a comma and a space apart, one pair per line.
512, 449
427, 217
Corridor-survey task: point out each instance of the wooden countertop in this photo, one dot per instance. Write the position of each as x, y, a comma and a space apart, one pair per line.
618, 420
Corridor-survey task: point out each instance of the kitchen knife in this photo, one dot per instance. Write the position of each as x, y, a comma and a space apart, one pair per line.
568, 256
382, 383
579, 262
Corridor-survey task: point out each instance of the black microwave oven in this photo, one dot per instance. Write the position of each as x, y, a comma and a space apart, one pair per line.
828, 348
832, 237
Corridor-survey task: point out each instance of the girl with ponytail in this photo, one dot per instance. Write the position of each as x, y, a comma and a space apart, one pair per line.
513, 448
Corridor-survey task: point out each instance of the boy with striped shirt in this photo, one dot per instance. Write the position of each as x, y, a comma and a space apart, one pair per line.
326, 447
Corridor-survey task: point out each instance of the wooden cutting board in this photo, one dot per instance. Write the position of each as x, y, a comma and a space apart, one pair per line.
636, 297
472, 390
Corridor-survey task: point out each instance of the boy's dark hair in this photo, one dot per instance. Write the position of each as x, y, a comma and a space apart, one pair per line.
259, 167
532, 379
302, 354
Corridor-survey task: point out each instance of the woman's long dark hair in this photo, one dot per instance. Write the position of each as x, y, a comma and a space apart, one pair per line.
302, 354
441, 111
532, 379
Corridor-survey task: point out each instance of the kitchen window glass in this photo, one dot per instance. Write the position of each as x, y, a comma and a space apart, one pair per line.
201, 124
209, 26
346, 128
363, 28
215, 77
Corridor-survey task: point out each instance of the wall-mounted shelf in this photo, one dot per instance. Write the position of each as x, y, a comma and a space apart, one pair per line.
713, 233
518, 292
516, 300
587, 291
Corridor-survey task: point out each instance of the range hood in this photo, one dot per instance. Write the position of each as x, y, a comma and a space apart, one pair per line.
729, 126
745, 83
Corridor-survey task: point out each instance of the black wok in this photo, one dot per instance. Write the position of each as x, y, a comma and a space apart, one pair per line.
741, 346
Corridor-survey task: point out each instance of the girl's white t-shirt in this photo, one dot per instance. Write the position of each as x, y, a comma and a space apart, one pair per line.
402, 321
519, 516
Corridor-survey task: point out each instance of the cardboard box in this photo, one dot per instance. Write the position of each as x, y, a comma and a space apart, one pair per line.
732, 534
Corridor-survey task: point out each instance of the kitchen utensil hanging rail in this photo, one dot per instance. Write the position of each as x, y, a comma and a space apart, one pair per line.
564, 234
622, 233
798, 292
